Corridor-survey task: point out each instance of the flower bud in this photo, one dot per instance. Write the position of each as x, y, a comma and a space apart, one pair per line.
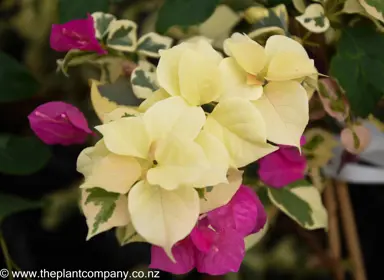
79, 34
59, 123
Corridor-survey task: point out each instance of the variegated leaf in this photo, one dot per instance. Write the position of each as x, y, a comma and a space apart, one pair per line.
127, 234
75, 58
144, 82
102, 22
374, 7
267, 22
302, 202
354, 7
122, 35
318, 148
151, 43
314, 19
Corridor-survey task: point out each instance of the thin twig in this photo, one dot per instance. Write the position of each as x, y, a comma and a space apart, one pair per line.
7, 257
333, 229
350, 230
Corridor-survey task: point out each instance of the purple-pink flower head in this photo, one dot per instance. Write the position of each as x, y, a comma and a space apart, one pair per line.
283, 167
59, 123
78, 34
216, 244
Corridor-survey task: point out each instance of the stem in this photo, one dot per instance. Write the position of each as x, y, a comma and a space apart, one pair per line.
7, 257
350, 230
333, 229
306, 36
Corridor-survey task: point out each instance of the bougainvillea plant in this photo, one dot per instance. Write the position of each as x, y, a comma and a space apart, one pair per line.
195, 122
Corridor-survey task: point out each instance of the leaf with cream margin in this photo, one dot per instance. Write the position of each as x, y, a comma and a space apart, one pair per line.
374, 7
102, 104
234, 79
284, 107
114, 173
314, 19
218, 158
75, 58
241, 128
122, 35
288, 60
174, 115
253, 239
127, 234
151, 43
143, 82
267, 20
163, 217
199, 78
126, 137
102, 22
180, 161
302, 202
103, 210
318, 148
248, 54
354, 7
222, 193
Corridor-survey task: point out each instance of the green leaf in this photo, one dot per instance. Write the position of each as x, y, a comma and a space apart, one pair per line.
184, 13
107, 201
75, 9
359, 67
22, 155
122, 35
302, 202
17, 83
11, 204
150, 44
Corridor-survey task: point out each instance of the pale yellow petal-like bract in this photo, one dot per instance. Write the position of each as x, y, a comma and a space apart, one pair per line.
234, 79
114, 173
286, 66
280, 43
179, 161
248, 54
90, 156
167, 71
199, 78
173, 115
127, 137
120, 216
163, 217
156, 96
284, 106
218, 158
222, 193
241, 128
